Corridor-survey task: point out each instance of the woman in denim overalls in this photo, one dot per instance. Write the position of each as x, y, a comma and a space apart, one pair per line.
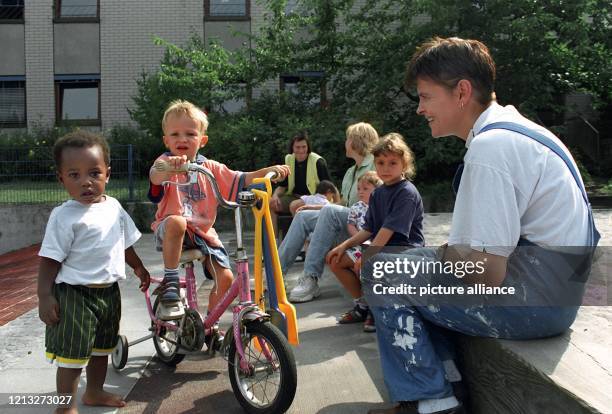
521, 218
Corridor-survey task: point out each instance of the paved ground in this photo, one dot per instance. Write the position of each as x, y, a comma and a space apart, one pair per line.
338, 367
18, 282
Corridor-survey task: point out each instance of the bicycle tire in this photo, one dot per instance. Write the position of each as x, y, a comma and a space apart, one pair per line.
286, 371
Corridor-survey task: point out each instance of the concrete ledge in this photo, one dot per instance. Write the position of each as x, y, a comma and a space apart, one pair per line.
571, 373
22, 225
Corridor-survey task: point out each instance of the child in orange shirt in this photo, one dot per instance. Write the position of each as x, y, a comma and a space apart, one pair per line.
186, 214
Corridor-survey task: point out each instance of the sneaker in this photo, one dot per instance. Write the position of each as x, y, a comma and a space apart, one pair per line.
306, 290
301, 257
171, 310
368, 324
170, 299
170, 290
355, 315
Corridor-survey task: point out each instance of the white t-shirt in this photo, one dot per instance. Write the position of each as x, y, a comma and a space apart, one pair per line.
512, 186
315, 199
89, 241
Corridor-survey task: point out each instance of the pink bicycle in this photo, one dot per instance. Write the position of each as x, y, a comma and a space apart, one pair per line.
261, 364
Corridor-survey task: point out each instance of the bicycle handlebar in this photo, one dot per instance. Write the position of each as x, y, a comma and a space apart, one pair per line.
161, 165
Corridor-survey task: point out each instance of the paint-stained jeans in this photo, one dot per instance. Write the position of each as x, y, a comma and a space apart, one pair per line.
412, 337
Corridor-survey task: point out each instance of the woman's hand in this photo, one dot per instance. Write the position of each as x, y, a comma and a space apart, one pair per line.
304, 207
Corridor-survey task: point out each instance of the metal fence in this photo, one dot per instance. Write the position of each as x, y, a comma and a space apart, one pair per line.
29, 176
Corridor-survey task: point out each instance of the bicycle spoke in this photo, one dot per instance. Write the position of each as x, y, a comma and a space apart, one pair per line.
259, 384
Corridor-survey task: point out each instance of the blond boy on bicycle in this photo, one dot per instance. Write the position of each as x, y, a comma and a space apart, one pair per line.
186, 213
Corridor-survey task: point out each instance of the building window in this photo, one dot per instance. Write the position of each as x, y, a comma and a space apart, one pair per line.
77, 99
12, 102
227, 9
306, 83
71, 9
11, 9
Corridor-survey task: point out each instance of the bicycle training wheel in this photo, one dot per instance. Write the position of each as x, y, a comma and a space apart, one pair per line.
166, 343
120, 353
270, 384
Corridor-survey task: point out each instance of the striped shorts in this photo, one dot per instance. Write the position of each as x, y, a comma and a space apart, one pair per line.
88, 326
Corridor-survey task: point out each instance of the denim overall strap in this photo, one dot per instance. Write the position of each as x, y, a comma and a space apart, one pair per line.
594, 235
544, 140
457, 178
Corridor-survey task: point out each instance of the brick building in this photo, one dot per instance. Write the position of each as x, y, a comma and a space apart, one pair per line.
78, 60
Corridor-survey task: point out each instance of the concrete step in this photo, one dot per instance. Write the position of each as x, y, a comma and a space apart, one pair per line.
571, 373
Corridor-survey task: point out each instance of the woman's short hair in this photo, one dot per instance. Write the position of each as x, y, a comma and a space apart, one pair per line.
393, 143
363, 137
300, 136
448, 60
185, 108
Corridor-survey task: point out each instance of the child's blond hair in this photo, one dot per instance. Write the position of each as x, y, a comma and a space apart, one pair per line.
363, 137
186, 108
393, 143
371, 177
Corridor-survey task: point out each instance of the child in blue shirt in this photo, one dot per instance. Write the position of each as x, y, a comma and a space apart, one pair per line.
395, 213
346, 269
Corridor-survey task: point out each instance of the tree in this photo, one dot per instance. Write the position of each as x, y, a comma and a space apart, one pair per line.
543, 49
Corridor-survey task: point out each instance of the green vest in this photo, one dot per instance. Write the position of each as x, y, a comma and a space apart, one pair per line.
312, 177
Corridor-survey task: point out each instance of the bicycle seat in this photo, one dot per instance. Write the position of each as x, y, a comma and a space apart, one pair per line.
191, 255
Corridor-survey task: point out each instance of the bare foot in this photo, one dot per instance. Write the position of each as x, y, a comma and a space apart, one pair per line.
102, 398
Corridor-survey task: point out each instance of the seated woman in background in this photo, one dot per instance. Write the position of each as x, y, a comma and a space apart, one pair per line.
328, 225
308, 169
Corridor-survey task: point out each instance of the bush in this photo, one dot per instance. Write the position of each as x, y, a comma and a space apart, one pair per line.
258, 138
146, 148
28, 153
